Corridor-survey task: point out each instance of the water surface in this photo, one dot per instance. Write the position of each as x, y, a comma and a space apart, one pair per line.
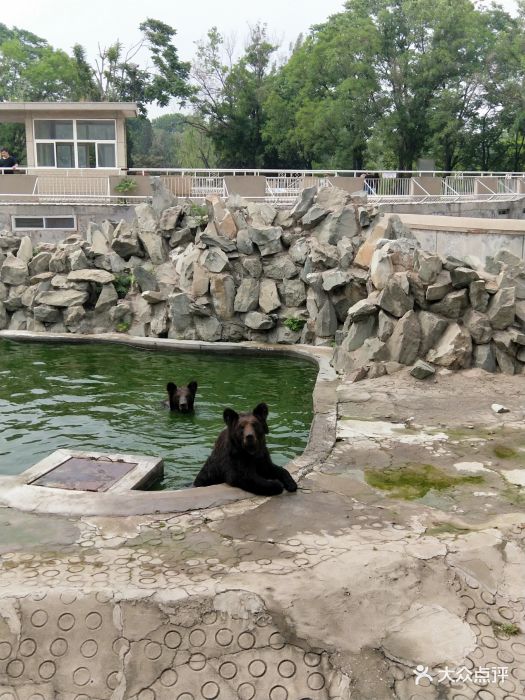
107, 398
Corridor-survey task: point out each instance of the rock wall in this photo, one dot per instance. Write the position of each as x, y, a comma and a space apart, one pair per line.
232, 271
328, 271
447, 312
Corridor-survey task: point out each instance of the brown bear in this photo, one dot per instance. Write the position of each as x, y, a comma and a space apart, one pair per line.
181, 398
240, 456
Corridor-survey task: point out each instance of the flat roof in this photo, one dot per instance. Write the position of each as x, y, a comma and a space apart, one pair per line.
13, 110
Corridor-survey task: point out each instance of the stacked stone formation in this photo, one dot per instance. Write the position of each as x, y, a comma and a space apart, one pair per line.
244, 271
329, 271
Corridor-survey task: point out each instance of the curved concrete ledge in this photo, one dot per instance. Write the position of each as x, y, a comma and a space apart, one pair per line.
15, 493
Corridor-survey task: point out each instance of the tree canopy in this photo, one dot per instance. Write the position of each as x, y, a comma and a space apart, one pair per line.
378, 85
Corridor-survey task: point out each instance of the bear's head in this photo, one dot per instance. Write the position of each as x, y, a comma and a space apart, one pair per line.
247, 430
181, 398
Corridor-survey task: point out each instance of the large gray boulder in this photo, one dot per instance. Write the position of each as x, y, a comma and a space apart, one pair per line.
428, 266
332, 198
483, 356
215, 260
395, 297
279, 267
211, 237
268, 240
14, 271
337, 225
432, 328
252, 266
454, 349
268, 296
244, 242
40, 263
333, 279
208, 328
258, 322
478, 296
222, 289
362, 309
62, 298
358, 332
452, 305
294, 292
441, 286
170, 217
478, 325
145, 278
154, 245
403, 344
47, 314
502, 308
162, 197
180, 312
326, 320
146, 218
125, 242
313, 217
25, 251
91, 275
381, 268
303, 203
247, 297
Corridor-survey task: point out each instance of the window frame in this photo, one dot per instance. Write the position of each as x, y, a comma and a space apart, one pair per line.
75, 141
44, 218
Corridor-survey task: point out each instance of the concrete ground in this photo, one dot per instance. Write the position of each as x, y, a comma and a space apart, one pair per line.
396, 571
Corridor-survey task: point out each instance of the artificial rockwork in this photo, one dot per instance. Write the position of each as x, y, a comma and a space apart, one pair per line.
230, 271
328, 271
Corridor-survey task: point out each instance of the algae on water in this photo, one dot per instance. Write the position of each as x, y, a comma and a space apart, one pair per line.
413, 480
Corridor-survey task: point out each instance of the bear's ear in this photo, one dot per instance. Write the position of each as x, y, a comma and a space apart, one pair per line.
261, 412
192, 386
171, 388
230, 417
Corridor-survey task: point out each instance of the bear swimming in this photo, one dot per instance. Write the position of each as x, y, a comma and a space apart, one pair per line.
240, 456
181, 398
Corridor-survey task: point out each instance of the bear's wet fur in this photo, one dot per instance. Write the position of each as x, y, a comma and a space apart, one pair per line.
240, 456
181, 398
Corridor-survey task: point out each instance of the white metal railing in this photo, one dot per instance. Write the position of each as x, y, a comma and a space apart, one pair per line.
54, 188
281, 187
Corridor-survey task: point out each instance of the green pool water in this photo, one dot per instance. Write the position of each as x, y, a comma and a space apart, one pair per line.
107, 397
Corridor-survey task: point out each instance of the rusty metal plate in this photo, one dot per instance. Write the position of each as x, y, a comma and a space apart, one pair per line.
84, 474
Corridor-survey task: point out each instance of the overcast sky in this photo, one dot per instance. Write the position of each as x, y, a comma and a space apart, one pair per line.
93, 22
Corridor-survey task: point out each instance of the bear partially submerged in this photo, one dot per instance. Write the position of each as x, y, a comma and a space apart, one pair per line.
240, 456
181, 398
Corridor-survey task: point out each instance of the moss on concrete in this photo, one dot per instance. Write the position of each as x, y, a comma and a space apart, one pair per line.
413, 480
504, 452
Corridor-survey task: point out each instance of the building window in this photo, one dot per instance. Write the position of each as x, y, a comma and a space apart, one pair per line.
32, 223
75, 143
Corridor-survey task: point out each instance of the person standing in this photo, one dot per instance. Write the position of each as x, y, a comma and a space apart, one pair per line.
8, 163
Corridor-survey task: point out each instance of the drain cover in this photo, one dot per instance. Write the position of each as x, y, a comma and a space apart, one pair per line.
85, 474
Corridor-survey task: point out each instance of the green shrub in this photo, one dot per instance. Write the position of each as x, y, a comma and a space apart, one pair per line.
294, 324
123, 327
127, 184
123, 282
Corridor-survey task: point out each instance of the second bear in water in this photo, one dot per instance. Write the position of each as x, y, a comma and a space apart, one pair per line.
181, 398
240, 456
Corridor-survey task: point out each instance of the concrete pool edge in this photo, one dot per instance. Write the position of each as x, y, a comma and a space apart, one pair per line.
15, 493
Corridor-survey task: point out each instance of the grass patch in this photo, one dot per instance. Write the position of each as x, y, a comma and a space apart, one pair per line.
504, 452
446, 529
413, 480
505, 628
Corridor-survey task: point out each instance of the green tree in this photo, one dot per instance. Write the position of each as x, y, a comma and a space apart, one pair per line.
324, 101
230, 97
119, 78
